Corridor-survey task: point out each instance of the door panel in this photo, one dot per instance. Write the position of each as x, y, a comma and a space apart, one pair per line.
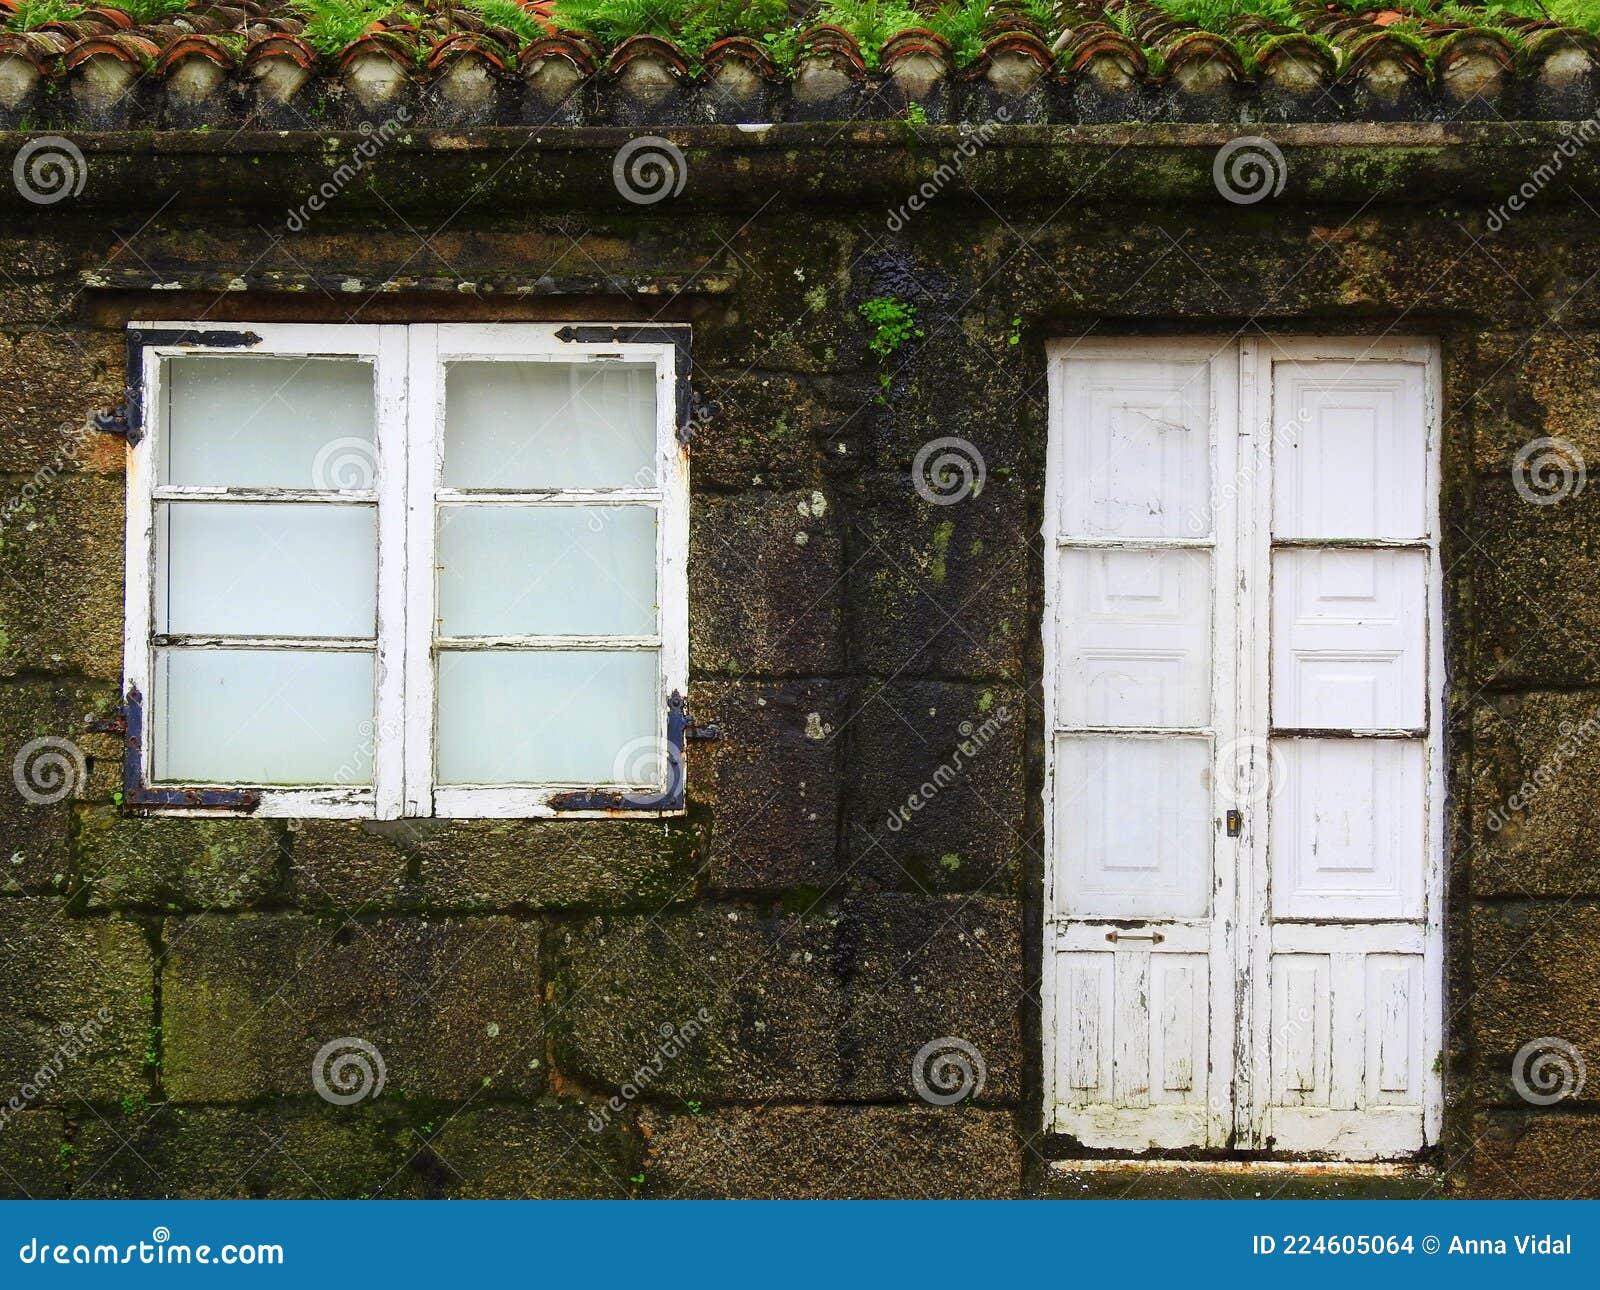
1139, 639
1243, 671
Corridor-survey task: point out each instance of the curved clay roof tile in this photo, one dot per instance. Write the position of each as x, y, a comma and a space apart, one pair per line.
1104, 44
909, 41
283, 46
379, 44
750, 51
657, 48
125, 48
836, 44
186, 47
469, 45
562, 44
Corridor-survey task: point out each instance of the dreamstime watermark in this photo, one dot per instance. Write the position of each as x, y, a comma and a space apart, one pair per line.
160, 1249
48, 770
649, 169
652, 760
1201, 518
348, 464
1578, 137
674, 1039
373, 142
1250, 769
1574, 739
348, 1070
1547, 1069
948, 470
948, 1070
75, 1041
75, 441
969, 147
1249, 169
973, 739
1548, 470
49, 169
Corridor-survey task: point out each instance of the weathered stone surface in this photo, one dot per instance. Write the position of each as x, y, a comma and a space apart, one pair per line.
1534, 981
227, 1153
48, 761
200, 864
765, 591
869, 1153
75, 1004
1535, 565
769, 990
495, 864
1536, 821
55, 379
771, 782
35, 1159
515, 1153
61, 581
929, 972
939, 587
1543, 385
452, 1007
936, 776
1536, 1156
770, 430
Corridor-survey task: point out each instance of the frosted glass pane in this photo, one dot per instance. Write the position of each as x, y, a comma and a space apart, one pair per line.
1135, 633
268, 569
521, 570
250, 421
549, 425
546, 716
1133, 827
257, 716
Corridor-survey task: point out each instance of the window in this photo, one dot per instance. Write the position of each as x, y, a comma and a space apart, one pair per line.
1244, 677
407, 570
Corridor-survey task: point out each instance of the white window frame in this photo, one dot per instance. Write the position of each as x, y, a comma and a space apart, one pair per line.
1243, 933
409, 394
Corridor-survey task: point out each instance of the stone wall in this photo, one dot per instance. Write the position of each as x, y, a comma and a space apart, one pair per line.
516, 975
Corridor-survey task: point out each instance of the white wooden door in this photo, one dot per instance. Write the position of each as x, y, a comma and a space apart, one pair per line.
1346, 884
1243, 783
1140, 690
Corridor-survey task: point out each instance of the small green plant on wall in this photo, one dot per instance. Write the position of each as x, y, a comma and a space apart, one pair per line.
894, 322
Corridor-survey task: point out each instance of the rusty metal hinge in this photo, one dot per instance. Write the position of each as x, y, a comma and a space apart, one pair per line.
136, 794
121, 421
680, 727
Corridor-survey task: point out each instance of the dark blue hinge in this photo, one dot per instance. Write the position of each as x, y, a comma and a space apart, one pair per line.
692, 411
680, 727
123, 420
129, 723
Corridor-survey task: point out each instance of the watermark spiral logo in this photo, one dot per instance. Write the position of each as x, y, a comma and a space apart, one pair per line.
347, 1070
1249, 169
649, 169
948, 1070
649, 760
1548, 470
49, 169
349, 463
1547, 1069
1249, 770
160, 1235
48, 770
949, 470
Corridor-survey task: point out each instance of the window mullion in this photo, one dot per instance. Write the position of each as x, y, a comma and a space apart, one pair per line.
420, 455
387, 740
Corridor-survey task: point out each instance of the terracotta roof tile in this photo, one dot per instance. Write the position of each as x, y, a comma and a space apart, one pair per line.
1123, 60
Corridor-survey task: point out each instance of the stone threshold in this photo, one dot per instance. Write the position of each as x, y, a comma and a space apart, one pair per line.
1130, 1179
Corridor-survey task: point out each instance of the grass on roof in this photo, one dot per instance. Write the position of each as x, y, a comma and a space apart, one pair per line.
695, 24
